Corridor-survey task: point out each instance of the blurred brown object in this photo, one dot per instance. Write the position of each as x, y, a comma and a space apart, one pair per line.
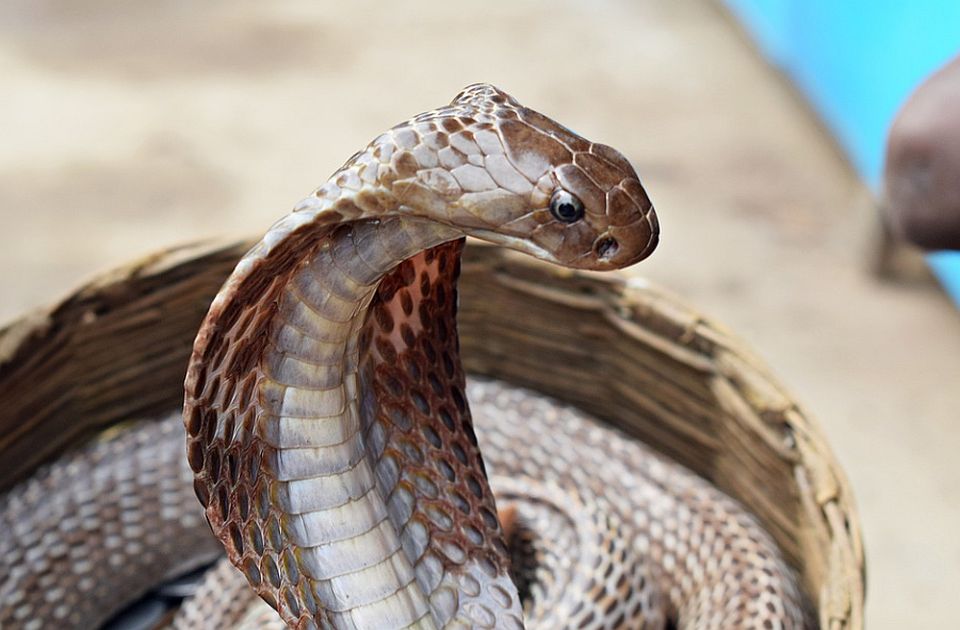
922, 173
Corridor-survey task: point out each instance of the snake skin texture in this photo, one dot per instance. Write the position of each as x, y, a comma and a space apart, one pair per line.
608, 534
333, 448
92, 532
650, 541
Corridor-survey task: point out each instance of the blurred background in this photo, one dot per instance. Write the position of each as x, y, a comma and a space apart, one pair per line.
756, 126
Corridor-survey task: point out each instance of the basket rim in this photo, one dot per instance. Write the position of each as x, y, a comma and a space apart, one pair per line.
634, 306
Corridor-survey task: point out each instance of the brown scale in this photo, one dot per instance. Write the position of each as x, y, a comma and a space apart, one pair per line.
412, 358
220, 416
416, 370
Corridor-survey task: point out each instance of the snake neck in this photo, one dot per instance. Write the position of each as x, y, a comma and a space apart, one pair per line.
420, 435
363, 501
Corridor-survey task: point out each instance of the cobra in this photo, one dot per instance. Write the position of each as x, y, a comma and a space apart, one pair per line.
332, 443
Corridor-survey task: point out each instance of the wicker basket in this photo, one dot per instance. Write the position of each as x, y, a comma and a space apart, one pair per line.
628, 354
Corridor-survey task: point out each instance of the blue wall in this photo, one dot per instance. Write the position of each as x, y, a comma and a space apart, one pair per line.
857, 61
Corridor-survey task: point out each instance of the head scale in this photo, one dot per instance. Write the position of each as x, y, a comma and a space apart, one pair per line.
507, 174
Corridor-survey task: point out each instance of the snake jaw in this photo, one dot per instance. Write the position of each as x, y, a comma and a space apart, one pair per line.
522, 245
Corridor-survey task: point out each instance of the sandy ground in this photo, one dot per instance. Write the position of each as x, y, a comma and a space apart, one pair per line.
130, 126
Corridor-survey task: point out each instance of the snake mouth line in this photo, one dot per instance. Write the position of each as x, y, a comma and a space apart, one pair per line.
515, 243
601, 258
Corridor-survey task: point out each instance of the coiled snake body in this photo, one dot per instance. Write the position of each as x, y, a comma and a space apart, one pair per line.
332, 444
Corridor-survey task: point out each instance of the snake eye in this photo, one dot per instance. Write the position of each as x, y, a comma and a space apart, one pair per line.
566, 207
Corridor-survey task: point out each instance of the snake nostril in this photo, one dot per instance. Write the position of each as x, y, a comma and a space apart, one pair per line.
606, 248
